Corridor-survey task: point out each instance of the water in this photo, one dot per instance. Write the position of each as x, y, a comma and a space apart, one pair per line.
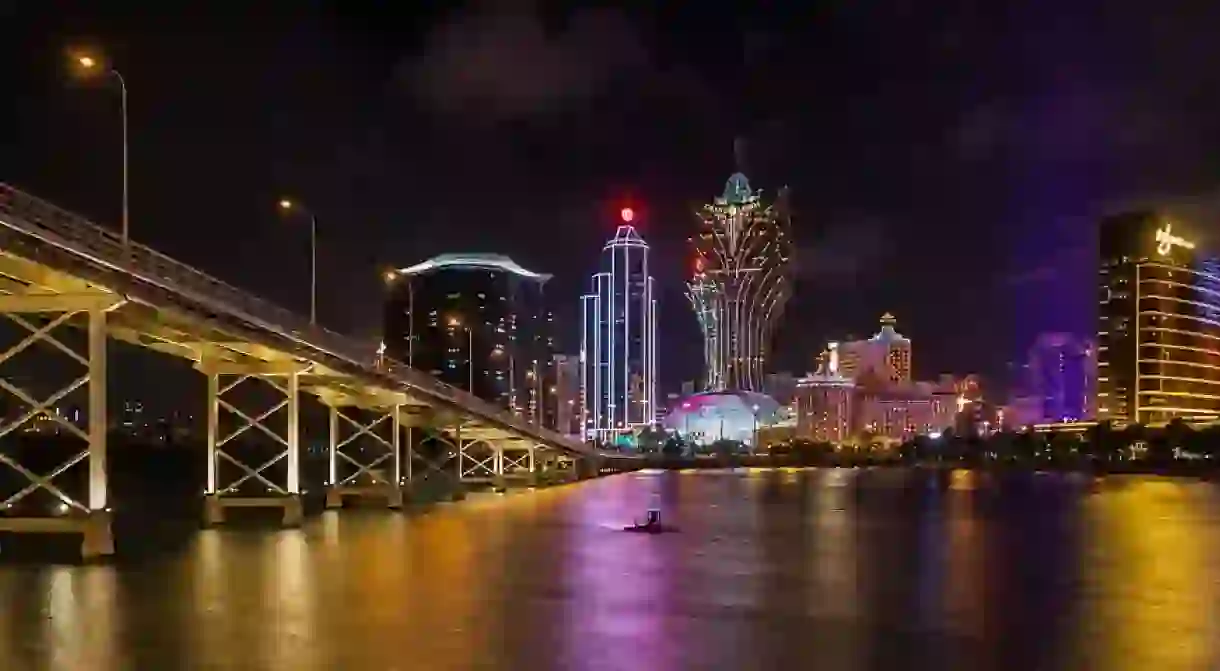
821, 569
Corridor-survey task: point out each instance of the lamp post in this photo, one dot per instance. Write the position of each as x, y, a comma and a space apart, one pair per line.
754, 431
92, 65
289, 206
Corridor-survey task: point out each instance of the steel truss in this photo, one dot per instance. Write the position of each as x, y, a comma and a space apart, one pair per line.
223, 379
464, 460
91, 516
378, 483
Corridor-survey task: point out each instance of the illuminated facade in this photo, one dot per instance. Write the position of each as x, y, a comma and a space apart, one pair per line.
618, 347
886, 355
1062, 373
567, 396
741, 283
1158, 339
737, 416
479, 323
897, 412
863, 391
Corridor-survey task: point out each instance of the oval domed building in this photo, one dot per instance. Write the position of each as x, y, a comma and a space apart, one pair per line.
728, 415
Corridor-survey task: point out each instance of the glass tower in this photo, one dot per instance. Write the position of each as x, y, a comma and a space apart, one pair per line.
618, 350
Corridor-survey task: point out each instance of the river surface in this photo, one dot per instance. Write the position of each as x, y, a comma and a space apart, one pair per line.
818, 569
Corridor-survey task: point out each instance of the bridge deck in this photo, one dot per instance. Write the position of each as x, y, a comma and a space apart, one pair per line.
173, 308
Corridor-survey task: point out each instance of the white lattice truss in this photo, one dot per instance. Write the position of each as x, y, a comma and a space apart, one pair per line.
288, 386
477, 459
391, 452
70, 309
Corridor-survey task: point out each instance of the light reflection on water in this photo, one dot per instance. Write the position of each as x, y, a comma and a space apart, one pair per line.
827, 569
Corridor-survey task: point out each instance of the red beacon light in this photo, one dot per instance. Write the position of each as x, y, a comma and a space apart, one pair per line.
627, 214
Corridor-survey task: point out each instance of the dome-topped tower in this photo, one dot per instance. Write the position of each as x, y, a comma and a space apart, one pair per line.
737, 189
741, 281
897, 349
888, 332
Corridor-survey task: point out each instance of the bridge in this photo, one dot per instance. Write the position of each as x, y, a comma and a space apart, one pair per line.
61, 273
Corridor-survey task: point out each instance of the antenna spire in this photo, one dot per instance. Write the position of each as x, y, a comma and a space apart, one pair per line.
739, 153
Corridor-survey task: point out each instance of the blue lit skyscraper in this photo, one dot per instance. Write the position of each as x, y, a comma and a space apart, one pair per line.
1062, 376
618, 340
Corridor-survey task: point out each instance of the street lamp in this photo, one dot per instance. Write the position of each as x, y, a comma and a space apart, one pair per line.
290, 206
454, 322
754, 431
91, 65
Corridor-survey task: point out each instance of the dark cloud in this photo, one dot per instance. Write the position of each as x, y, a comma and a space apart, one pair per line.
1199, 212
494, 64
850, 248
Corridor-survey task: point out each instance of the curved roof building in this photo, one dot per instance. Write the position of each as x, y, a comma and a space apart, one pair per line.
728, 415
478, 322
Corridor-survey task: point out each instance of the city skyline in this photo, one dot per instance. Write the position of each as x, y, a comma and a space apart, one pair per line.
381, 163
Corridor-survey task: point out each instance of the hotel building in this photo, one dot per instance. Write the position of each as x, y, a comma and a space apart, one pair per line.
741, 283
1158, 340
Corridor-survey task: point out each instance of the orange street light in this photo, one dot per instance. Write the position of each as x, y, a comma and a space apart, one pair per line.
92, 64
288, 205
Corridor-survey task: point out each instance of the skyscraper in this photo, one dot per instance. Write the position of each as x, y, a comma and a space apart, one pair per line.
1061, 377
741, 282
1157, 335
477, 322
567, 396
618, 339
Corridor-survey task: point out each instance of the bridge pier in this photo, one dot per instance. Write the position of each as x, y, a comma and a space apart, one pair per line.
431, 466
87, 513
231, 481
376, 483
588, 467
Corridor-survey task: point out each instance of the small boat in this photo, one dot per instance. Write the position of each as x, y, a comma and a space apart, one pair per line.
651, 525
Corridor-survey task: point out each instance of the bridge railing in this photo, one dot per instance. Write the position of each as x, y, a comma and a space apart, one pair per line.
106, 248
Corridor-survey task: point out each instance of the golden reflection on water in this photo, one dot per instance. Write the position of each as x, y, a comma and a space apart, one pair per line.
965, 586
835, 589
75, 626
820, 567
289, 587
1151, 588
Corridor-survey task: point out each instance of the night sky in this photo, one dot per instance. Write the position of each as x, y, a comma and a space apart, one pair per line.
946, 164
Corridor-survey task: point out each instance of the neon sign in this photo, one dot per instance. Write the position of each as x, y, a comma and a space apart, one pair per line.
1166, 241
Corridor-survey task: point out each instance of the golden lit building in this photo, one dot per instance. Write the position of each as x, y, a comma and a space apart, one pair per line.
1158, 340
824, 408
899, 411
832, 406
887, 354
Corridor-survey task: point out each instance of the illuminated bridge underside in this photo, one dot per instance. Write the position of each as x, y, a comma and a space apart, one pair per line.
59, 272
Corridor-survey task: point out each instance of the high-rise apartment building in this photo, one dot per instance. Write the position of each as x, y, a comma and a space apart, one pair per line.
568, 394
618, 347
478, 322
1158, 339
741, 282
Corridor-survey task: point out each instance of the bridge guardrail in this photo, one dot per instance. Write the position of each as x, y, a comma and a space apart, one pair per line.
107, 247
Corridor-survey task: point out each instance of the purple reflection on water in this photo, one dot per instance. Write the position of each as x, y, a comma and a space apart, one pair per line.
689, 599
616, 614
